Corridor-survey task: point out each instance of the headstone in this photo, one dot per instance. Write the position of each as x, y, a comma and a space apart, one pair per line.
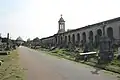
70, 46
8, 46
118, 57
1, 48
90, 46
106, 51
118, 50
86, 48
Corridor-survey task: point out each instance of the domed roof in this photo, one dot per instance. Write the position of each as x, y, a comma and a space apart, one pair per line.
19, 39
61, 19
36, 39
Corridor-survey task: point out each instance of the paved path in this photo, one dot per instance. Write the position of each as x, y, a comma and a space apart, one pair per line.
41, 66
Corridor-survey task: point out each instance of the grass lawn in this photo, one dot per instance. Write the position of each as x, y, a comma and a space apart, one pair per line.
10, 68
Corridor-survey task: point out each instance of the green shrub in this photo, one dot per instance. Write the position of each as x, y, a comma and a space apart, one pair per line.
55, 51
115, 62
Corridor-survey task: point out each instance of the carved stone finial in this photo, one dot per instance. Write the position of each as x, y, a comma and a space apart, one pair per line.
61, 15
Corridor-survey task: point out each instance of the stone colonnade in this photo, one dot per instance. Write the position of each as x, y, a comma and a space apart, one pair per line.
88, 34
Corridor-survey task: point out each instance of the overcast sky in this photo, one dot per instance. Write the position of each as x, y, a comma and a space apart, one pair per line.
39, 18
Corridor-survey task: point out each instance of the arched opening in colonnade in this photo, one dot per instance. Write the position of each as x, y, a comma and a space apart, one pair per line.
58, 39
84, 37
78, 37
61, 39
97, 38
65, 39
73, 39
69, 38
91, 36
99, 32
110, 32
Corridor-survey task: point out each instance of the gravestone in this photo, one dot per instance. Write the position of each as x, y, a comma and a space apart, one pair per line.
118, 53
70, 46
86, 48
106, 51
8, 44
1, 45
118, 50
90, 46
